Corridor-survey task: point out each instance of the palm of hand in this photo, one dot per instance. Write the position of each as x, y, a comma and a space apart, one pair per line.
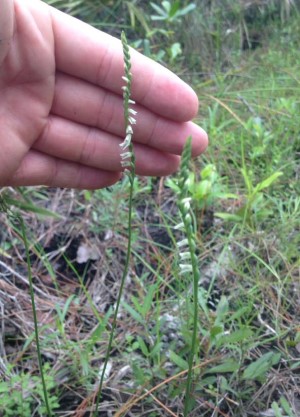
26, 85
61, 107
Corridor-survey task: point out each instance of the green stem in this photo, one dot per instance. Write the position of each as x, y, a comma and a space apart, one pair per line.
125, 271
188, 388
36, 330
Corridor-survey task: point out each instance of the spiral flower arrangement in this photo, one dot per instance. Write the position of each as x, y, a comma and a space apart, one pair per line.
188, 262
127, 154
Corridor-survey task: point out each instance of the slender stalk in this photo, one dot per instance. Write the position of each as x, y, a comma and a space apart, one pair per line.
194, 334
114, 323
127, 160
36, 330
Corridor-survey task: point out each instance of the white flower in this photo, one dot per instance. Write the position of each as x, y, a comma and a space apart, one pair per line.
185, 268
125, 79
179, 226
131, 120
124, 145
125, 163
107, 370
182, 243
131, 101
184, 255
134, 112
129, 130
126, 155
186, 202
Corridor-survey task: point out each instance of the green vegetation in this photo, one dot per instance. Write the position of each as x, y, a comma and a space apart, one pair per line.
244, 64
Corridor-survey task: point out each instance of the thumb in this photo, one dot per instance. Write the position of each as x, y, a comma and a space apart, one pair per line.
6, 27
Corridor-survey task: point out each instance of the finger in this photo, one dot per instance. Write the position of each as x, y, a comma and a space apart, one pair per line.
95, 148
6, 27
94, 106
40, 169
94, 56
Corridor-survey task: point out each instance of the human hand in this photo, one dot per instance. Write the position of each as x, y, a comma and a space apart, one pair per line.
61, 108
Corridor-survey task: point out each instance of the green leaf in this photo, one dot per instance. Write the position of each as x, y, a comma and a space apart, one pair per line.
137, 304
209, 380
148, 299
63, 313
143, 346
226, 367
175, 50
276, 409
247, 180
173, 9
239, 336
167, 6
216, 330
97, 332
208, 171
222, 310
286, 407
181, 363
186, 9
257, 369
229, 217
136, 12
31, 207
267, 182
133, 313
162, 15
203, 189
226, 196
239, 313
173, 185
156, 349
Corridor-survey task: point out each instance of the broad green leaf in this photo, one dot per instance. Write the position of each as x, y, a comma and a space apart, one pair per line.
229, 366
167, 6
229, 217
209, 380
175, 50
133, 313
181, 363
186, 9
286, 407
162, 15
208, 171
203, 189
276, 409
268, 181
258, 368
157, 348
148, 299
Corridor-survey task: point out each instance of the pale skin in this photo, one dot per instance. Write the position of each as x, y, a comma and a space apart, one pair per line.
61, 110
